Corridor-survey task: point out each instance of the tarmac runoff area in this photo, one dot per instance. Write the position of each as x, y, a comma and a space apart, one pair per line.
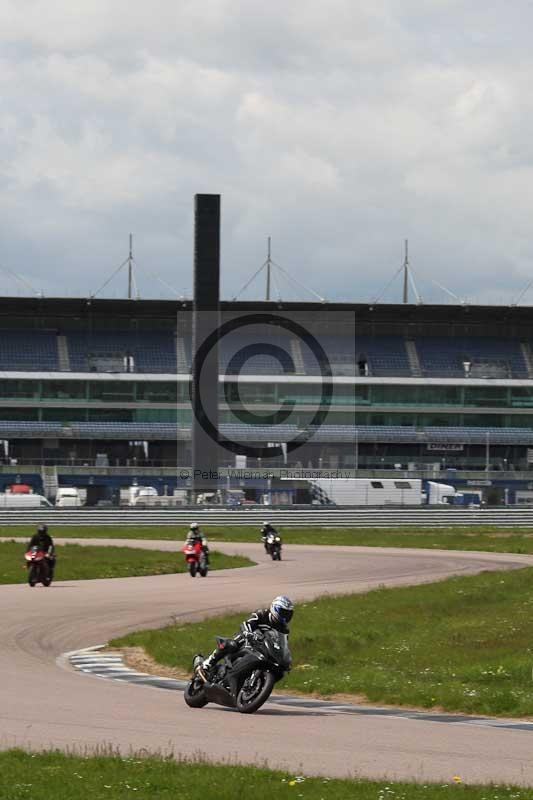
51, 696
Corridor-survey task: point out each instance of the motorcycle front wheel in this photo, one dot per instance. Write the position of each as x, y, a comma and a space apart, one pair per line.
192, 569
255, 691
194, 694
46, 575
32, 578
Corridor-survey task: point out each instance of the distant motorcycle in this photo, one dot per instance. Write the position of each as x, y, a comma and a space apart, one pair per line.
273, 546
38, 566
245, 677
196, 559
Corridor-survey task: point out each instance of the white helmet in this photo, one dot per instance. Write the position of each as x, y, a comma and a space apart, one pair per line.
193, 526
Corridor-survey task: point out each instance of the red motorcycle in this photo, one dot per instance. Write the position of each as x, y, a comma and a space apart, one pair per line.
38, 566
196, 559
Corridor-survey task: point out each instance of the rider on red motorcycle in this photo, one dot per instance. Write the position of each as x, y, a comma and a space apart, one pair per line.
196, 535
42, 539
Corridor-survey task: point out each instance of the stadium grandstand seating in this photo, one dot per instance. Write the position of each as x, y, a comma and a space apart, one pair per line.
386, 355
150, 352
155, 352
237, 355
387, 434
487, 357
340, 351
28, 350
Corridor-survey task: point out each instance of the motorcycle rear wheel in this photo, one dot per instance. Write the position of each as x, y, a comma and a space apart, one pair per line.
249, 698
194, 694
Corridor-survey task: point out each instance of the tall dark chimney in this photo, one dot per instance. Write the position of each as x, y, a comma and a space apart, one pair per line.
205, 322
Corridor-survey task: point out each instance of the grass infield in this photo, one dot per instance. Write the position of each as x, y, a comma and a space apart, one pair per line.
75, 562
486, 537
42, 776
463, 644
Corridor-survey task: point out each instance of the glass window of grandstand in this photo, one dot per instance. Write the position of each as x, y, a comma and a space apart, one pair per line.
249, 392
155, 415
439, 420
19, 389
184, 417
360, 395
112, 391
484, 421
64, 390
333, 418
163, 391
64, 415
19, 414
393, 420
486, 396
110, 415
416, 395
310, 394
519, 421
522, 396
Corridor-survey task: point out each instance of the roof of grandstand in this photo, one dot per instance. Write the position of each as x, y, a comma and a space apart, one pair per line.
513, 321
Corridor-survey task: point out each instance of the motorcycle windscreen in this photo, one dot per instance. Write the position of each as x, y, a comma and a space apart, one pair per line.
278, 646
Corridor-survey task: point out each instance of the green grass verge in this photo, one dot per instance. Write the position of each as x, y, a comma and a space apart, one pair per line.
42, 776
75, 562
490, 538
464, 644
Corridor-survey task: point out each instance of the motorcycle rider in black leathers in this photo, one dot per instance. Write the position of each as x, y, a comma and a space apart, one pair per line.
42, 539
277, 617
196, 535
266, 530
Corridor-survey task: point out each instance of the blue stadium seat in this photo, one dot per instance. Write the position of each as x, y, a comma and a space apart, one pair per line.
28, 350
488, 356
151, 351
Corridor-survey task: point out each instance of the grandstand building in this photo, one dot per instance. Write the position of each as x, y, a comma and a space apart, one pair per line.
96, 393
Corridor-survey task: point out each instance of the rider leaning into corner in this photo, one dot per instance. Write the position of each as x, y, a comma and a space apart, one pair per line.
195, 535
277, 617
42, 539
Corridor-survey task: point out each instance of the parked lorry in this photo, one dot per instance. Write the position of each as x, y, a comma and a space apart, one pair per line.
386, 492
366, 491
440, 494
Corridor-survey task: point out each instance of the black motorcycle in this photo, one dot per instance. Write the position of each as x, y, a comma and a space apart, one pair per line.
273, 546
245, 677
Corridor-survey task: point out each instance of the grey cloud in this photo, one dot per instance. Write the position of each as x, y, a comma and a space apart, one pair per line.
337, 129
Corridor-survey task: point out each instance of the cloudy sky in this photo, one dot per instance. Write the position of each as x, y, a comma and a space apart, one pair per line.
339, 128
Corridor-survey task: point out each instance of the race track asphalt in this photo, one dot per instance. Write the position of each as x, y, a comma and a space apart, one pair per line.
44, 703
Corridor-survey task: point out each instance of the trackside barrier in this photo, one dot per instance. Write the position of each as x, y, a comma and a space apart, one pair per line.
315, 517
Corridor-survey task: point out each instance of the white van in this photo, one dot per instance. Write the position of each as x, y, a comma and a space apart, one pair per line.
68, 497
29, 501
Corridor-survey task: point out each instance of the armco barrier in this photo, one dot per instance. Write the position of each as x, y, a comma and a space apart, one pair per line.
316, 517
